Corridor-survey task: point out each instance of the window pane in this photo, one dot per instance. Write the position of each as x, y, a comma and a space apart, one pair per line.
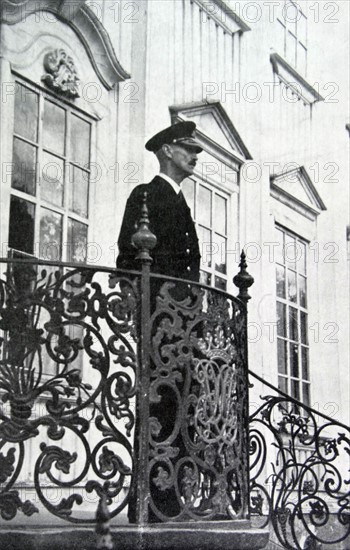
80, 141
188, 189
296, 389
54, 127
301, 53
21, 230
205, 246
26, 112
291, 48
290, 251
293, 323
204, 206
293, 359
302, 291
306, 394
282, 384
79, 190
52, 179
302, 258
220, 283
282, 356
292, 286
24, 167
281, 319
303, 327
77, 241
220, 215
219, 247
305, 362
302, 27
50, 235
280, 281
291, 16
205, 278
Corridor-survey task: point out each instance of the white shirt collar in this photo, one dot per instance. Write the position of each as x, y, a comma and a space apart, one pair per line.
173, 184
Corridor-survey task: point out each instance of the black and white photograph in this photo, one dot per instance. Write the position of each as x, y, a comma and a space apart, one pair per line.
174, 275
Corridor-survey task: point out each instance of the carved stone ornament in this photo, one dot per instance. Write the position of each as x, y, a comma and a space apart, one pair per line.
61, 74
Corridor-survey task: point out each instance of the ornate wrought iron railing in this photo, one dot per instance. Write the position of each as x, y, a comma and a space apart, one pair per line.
66, 407
109, 391
299, 472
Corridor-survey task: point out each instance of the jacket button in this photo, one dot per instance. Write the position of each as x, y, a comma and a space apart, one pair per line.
186, 234
188, 251
188, 268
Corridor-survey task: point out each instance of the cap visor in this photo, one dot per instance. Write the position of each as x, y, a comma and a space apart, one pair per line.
190, 143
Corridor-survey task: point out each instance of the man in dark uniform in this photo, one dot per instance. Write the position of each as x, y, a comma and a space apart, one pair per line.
176, 253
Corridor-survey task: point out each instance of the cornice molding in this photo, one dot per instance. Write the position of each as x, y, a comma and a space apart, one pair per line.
223, 15
294, 81
84, 23
277, 188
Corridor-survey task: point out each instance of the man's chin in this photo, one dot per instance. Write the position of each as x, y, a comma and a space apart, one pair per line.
190, 170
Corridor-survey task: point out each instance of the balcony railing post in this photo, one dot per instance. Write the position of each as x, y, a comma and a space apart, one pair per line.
144, 241
243, 280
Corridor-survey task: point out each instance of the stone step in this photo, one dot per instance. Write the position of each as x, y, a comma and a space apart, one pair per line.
172, 536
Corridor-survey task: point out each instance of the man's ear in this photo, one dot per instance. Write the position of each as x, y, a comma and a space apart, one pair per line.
167, 150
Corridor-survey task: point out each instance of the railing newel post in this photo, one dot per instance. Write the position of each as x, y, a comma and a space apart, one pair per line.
144, 241
243, 280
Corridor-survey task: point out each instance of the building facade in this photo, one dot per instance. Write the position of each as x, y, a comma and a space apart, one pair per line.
85, 84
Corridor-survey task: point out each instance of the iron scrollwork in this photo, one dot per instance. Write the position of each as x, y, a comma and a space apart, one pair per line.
70, 365
197, 424
299, 478
67, 386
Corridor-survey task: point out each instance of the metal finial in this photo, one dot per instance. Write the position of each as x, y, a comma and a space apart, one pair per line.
104, 536
243, 280
144, 240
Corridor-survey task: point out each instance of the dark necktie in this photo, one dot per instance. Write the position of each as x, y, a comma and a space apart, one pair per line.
181, 199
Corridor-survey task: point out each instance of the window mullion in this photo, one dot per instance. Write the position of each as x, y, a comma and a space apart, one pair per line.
67, 182
39, 166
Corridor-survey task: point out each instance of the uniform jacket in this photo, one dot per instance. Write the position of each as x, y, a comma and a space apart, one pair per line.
176, 253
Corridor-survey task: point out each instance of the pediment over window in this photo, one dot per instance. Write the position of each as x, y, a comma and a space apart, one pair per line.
295, 189
294, 81
85, 24
214, 128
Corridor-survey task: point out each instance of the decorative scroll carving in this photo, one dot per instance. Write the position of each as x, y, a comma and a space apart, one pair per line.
61, 74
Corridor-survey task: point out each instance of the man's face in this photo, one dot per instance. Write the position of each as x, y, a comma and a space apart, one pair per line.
184, 158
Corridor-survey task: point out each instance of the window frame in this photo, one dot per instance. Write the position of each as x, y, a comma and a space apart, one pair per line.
69, 163
301, 342
296, 35
214, 190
